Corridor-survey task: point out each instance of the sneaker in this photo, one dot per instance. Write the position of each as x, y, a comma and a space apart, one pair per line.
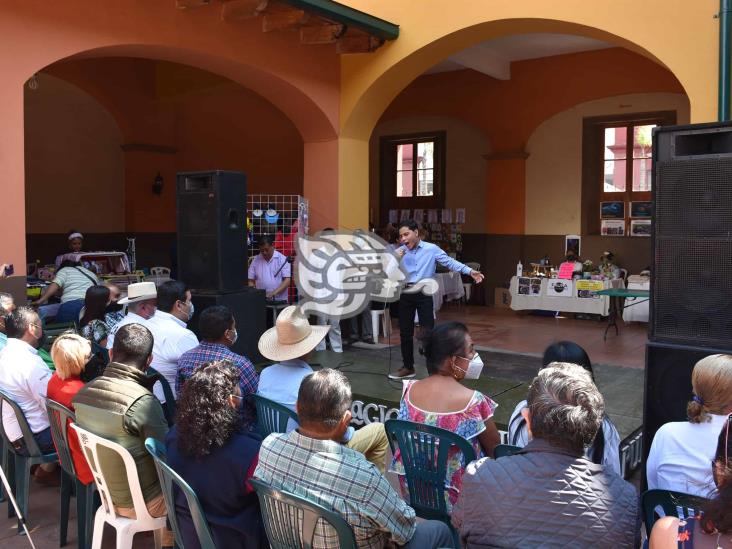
402, 373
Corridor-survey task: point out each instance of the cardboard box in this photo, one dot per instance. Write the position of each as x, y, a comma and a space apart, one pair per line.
502, 298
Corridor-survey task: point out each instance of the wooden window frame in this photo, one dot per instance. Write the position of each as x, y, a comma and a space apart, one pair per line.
388, 174
593, 163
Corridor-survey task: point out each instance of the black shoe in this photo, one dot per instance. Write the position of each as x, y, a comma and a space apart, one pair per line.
402, 373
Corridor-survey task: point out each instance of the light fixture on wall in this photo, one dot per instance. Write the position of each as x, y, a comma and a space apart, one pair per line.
33, 82
157, 186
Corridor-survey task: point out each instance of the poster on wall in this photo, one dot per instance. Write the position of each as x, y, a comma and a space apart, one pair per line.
432, 216
573, 242
640, 227
559, 288
641, 210
405, 215
418, 216
612, 227
529, 286
393, 216
447, 215
460, 215
586, 288
612, 210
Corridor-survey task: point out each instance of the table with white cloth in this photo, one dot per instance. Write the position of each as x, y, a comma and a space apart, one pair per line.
449, 288
571, 303
639, 310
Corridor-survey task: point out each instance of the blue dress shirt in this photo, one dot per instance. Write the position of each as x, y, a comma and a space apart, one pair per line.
421, 261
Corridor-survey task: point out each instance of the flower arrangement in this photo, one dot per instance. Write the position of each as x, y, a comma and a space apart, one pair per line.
588, 266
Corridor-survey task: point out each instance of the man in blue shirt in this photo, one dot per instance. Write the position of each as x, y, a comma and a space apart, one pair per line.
420, 261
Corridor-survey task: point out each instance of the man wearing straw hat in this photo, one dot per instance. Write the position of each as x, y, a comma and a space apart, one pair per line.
289, 344
141, 304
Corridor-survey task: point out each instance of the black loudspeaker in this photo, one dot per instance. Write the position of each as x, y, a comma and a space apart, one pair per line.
212, 252
691, 294
248, 306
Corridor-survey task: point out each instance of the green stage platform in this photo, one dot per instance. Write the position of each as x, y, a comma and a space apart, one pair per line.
505, 379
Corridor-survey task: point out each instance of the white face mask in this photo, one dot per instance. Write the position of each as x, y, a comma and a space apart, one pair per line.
475, 367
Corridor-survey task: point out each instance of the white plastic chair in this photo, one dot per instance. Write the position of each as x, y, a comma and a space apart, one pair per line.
386, 323
159, 271
126, 527
468, 286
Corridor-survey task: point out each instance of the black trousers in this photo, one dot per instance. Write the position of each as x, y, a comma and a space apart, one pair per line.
408, 304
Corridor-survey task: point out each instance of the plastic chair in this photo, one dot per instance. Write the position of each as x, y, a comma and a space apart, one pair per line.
21, 465
674, 504
272, 417
86, 504
159, 271
126, 527
503, 450
168, 478
52, 331
169, 407
424, 450
386, 323
290, 520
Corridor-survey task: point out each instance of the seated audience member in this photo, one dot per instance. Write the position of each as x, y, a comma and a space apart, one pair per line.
289, 344
605, 449
24, 377
94, 324
217, 327
72, 280
7, 306
311, 462
608, 266
169, 331
213, 453
141, 304
118, 406
682, 450
442, 401
70, 353
549, 494
114, 311
714, 527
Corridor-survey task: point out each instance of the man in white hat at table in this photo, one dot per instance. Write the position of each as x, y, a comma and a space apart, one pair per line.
289, 344
141, 301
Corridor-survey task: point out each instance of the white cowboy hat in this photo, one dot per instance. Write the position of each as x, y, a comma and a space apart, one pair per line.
139, 291
292, 336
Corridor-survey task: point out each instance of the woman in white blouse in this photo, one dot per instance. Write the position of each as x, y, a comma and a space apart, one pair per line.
682, 450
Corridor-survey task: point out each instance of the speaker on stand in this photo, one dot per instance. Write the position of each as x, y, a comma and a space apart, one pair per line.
691, 293
212, 251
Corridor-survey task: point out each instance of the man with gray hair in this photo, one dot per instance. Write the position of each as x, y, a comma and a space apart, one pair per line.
311, 462
549, 494
7, 306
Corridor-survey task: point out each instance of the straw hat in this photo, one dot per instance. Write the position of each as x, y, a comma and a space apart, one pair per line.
139, 291
292, 336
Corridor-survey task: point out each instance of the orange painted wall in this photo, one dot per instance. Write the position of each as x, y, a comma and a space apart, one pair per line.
508, 111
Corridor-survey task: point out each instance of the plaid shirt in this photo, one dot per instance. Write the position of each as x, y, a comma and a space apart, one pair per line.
340, 479
209, 352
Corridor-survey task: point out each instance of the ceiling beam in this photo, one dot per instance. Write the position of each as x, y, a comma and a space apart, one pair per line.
358, 43
352, 18
284, 19
327, 33
238, 10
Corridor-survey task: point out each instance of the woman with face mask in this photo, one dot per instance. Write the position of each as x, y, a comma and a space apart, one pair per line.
441, 400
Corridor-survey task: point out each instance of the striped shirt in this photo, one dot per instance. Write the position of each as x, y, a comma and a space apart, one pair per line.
341, 479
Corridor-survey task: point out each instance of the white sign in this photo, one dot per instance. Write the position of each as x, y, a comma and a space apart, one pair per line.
559, 288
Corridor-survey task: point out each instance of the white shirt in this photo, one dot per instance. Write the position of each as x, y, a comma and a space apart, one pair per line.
171, 340
130, 318
281, 383
24, 377
681, 456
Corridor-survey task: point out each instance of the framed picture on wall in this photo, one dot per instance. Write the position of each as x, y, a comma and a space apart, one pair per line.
573, 242
614, 209
612, 227
641, 210
640, 227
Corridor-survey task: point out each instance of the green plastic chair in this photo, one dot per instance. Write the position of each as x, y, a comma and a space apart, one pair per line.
272, 417
87, 499
424, 450
674, 504
52, 330
169, 406
290, 520
169, 478
503, 450
22, 464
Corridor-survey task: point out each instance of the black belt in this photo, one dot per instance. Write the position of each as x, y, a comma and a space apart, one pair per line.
410, 284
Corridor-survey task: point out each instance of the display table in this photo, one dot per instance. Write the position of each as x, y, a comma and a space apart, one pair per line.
615, 295
449, 288
639, 311
537, 295
99, 262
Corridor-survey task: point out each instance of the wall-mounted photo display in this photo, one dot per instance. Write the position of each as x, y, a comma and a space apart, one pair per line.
612, 227
641, 210
573, 242
640, 227
614, 209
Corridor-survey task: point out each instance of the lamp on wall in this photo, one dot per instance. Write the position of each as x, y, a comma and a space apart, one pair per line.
157, 186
